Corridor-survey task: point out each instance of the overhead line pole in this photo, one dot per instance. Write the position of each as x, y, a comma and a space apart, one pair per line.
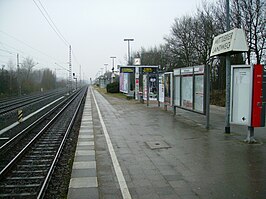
80, 75
228, 76
70, 71
18, 76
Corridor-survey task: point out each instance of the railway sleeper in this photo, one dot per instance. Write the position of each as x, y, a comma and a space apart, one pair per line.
30, 166
37, 161
17, 195
43, 151
21, 182
31, 171
20, 186
41, 148
25, 177
55, 140
36, 156
47, 145
49, 141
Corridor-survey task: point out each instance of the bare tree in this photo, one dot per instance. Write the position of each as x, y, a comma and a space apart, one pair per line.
12, 75
251, 16
25, 75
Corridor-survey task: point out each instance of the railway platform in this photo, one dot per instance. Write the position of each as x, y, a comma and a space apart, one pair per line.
83, 182
146, 152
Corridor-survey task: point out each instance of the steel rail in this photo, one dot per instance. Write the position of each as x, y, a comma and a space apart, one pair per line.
32, 125
57, 156
10, 107
18, 99
14, 160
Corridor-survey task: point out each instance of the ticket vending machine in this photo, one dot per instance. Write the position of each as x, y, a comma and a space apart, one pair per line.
248, 96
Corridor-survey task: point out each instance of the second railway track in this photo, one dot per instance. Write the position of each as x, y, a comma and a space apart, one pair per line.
27, 174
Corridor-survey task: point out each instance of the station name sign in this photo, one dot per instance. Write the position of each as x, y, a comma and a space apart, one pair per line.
231, 41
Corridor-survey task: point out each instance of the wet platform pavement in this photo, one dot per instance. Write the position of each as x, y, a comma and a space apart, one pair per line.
166, 156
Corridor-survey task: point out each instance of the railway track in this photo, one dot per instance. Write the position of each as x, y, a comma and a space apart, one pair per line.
9, 113
29, 171
7, 106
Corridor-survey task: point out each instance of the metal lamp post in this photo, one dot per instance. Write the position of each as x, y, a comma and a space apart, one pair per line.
128, 46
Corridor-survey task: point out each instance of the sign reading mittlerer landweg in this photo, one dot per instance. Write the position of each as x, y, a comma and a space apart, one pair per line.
232, 41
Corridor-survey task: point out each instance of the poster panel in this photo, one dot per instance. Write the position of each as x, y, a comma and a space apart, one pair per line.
187, 92
177, 91
161, 88
126, 83
121, 82
145, 87
199, 93
137, 88
168, 88
153, 91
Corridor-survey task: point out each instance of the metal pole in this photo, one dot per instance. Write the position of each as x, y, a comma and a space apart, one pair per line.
80, 75
128, 46
207, 97
105, 65
70, 71
148, 88
18, 78
128, 50
228, 76
113, 68
113, 61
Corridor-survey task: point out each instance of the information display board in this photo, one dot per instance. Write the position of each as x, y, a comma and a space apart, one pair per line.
127, 69
189, 88
241, 96
199, 88
149, 69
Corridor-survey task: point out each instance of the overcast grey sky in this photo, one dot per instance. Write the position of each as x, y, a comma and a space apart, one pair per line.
94, 28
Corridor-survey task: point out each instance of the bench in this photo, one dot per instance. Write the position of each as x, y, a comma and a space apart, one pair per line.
130, 95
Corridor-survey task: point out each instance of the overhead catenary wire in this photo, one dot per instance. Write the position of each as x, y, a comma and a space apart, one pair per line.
51, 23
67, 43
17, 50
29, 46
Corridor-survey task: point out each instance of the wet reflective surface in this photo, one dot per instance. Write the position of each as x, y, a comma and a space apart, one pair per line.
198, 164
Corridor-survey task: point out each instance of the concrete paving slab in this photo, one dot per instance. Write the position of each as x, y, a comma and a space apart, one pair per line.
85, 147
83, 193
85, 130
84, 165
86, 136
80, 173
84, 143
84, 152
84, 182
82, 158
